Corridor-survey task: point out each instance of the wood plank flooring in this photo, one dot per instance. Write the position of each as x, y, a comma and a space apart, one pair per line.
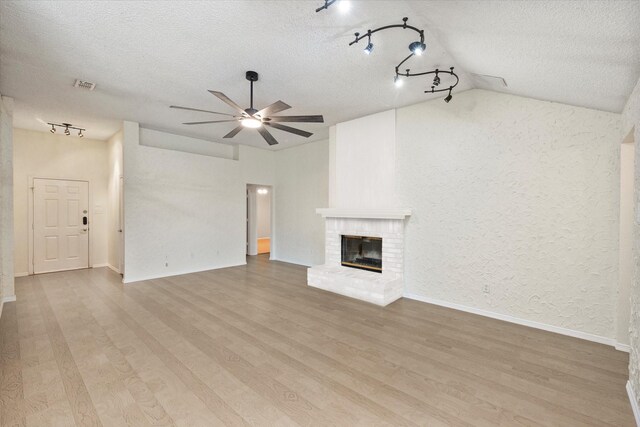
253, 345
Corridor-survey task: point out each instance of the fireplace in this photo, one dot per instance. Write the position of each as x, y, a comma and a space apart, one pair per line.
362, 252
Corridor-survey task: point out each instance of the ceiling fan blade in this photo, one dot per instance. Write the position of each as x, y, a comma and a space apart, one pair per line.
267, 136
273, 108
210, 121
299, 119
234, 132
289, 129
197, 109
224, 98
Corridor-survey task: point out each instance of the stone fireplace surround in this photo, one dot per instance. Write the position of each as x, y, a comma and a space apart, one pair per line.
381, 289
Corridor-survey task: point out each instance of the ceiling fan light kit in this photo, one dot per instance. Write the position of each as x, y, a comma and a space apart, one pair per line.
256, 119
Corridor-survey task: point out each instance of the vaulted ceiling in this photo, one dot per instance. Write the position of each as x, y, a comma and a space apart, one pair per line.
145, 56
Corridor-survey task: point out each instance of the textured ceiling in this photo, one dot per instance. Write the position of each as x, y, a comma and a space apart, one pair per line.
147, 56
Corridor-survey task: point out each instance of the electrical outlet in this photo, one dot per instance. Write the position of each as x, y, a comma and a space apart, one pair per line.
486, 289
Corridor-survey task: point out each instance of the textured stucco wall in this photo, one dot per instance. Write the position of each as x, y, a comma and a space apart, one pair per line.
515, 194
302, 185
114, 236
631, 119
185, 212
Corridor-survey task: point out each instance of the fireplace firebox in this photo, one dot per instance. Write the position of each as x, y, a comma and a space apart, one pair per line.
362, 252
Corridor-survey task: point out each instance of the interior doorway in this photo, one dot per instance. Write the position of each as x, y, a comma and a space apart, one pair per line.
60, 225
259, 219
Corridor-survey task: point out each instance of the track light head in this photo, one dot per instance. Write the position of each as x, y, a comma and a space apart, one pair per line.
417, 48
66, 130
397, 81
80, 134
53, 129
449, 97
369, 48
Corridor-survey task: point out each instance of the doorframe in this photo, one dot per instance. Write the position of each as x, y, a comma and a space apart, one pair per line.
272, 195
30, 211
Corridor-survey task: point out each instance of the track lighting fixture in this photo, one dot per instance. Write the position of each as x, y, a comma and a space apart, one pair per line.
343, 5
67, 127
369, 48
417, 48
449, 97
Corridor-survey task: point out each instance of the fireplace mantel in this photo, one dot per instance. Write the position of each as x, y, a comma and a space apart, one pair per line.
364, 213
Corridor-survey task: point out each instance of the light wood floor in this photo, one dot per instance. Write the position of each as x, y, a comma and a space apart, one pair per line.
255, 345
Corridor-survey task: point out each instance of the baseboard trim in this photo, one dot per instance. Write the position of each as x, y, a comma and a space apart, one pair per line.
6, 299
623, 347
180, 273
291, 262
104, 264
20, 274
634, 403
117, 270
530, 323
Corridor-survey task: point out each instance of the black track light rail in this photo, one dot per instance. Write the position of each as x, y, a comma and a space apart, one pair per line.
416, 48
66, 127
404, 25
327, 3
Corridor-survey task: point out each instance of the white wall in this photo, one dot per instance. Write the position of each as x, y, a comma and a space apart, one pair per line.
185, 212
46, 155
7, 292
115, 170
263, 204
518, 195
365, 162
631, 123
625, 269
302, 185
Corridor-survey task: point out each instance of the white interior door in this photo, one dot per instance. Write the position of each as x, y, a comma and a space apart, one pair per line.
60, 225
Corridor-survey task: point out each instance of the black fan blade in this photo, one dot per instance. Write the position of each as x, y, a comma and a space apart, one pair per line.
197, 109
210, 121
234, 132
299, 119
289, 129
224, 98
276, 107
267, 136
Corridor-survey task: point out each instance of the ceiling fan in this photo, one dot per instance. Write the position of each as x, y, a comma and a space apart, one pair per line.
257, 119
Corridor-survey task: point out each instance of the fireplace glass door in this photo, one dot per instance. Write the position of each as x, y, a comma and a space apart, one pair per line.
362, 252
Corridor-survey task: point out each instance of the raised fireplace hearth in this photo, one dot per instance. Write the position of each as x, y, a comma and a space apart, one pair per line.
364, 254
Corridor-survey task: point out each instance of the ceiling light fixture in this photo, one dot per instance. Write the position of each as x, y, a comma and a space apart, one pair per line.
66, 127
262, 191
251, 123
416, 48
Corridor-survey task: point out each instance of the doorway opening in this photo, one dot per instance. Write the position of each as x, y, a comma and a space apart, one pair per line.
259, 219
